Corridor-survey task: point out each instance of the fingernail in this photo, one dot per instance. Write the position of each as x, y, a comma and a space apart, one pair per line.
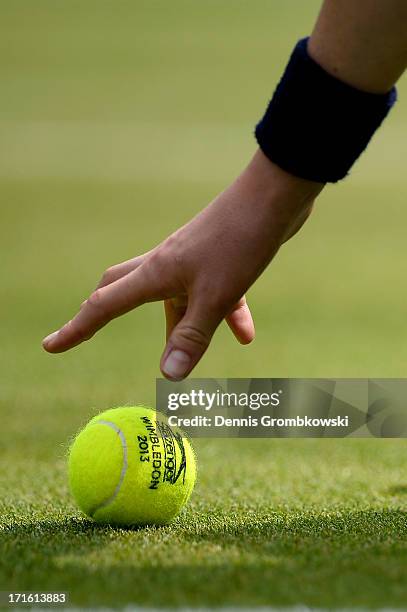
49, 338
177, 364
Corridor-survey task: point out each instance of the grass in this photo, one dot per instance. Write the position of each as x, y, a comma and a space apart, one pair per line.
315, 522
118, 122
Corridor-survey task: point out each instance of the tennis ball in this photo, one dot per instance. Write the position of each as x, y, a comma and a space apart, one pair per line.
128, 467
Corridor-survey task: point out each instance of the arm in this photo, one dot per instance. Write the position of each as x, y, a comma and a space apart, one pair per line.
203, 270
363, 42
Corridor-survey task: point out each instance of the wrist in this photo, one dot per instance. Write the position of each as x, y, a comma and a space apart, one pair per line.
278, 186
266, 205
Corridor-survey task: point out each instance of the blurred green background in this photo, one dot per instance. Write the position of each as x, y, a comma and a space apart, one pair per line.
118, 122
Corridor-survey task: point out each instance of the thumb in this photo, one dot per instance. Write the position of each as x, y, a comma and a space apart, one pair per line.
189, 340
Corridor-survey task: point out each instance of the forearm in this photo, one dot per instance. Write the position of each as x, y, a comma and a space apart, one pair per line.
362, 42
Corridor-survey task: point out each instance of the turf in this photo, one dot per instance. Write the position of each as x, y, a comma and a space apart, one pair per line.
291, 522
118, 122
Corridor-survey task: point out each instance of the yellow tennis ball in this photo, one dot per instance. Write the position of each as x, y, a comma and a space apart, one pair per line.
128, 467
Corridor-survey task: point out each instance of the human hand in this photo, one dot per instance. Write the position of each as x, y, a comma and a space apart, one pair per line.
203, 270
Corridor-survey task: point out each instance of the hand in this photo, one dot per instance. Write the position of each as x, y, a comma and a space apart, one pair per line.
203, 270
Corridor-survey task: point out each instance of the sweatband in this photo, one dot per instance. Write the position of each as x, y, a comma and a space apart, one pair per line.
316, 126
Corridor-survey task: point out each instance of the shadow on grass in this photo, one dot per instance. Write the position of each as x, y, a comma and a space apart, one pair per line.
336, 558
397, 490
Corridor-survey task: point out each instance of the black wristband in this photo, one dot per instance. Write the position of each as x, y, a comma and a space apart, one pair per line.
316, 126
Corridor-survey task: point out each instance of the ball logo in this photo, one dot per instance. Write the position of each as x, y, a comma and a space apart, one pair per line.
173, 441
167, 457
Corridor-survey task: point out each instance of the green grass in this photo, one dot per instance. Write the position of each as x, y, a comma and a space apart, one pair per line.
311, 522
118, 122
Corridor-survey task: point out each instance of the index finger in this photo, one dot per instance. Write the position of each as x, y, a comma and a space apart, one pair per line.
105, 304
